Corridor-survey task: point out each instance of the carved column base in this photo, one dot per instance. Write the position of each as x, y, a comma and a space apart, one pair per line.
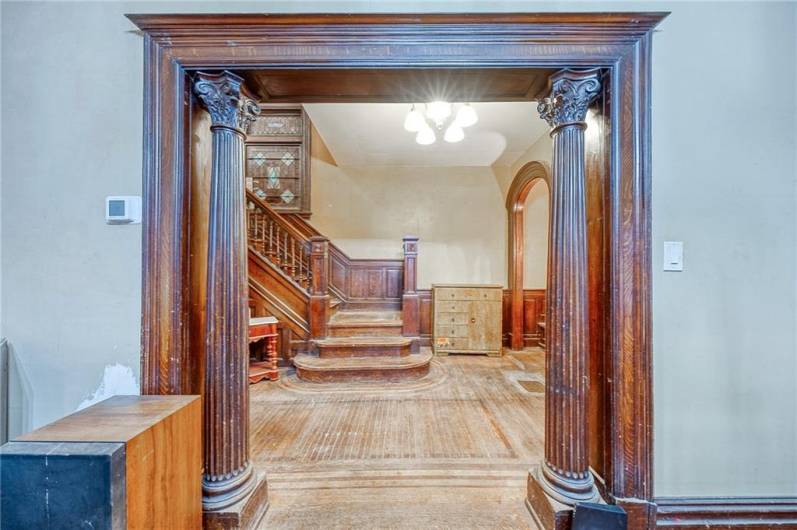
246, 513
544, 500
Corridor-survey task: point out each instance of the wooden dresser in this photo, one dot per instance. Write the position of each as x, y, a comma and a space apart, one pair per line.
467, 319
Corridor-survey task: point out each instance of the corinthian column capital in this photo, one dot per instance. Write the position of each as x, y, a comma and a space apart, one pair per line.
571, 93
226, 99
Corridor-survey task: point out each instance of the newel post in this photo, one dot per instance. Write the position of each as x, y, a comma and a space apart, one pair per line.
563, 478
319, 287
229, 484
410, 310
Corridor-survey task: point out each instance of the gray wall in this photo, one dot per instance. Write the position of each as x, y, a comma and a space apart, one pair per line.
724, 183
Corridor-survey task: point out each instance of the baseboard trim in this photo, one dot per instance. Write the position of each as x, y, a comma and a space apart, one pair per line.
726, 512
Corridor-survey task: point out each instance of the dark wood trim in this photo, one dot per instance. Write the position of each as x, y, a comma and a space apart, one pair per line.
726, 512
612, 25
598, 168
175, 45
532, 312
525, 179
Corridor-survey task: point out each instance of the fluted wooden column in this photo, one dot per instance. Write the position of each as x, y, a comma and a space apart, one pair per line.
563, 478
319, 287
410, 305
228, 477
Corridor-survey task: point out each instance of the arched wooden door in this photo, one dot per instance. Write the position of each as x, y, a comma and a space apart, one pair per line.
529, 175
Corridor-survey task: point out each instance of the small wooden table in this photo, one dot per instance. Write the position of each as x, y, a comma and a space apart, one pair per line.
264, 328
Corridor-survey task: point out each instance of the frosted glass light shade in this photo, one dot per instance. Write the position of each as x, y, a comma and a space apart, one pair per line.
438, 111
425, 136
454, 134
414, 121
466, 116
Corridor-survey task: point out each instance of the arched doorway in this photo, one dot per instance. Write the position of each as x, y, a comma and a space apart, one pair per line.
530, 175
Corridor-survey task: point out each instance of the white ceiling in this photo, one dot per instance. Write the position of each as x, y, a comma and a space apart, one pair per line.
372, 134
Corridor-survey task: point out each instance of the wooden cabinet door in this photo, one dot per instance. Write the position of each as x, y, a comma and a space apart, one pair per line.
485, 328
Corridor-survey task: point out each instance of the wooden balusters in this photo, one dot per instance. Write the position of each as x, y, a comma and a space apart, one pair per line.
319, 287
275, 240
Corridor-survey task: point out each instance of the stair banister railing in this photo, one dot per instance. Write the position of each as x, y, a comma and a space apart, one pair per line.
278, 241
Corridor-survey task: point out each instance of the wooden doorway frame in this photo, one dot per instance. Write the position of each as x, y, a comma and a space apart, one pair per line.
619, 204
530, 175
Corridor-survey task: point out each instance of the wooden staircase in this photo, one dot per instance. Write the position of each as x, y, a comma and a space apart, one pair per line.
346, 319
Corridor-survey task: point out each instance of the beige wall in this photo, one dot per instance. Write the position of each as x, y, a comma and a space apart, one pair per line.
457, 212
724, 183
535, 235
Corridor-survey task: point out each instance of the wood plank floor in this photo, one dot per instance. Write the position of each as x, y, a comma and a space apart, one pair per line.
449, 451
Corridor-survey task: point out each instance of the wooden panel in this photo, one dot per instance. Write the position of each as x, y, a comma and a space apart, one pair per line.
291, 297
338, 273
414, 85
163, 472
425, 315
485, 325
394, 279
376, 283
359, 283
533, 312
163, 451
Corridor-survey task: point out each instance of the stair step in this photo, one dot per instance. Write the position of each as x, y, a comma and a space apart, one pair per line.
363, 369
338, 347
349, 316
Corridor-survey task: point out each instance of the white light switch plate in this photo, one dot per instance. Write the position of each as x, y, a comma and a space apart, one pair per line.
674, 256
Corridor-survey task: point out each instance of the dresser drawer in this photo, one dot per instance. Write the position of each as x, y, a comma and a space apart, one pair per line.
451, 343
443, 294
451, 330
448, 318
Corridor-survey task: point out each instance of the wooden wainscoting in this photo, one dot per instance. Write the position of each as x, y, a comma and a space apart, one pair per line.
366, 283
533, 312
359, 283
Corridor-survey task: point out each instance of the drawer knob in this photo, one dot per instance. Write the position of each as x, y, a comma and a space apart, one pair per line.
472, 320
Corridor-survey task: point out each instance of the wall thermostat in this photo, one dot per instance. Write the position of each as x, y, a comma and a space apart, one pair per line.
123, 210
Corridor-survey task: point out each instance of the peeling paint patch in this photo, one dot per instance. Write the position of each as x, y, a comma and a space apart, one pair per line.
117, 379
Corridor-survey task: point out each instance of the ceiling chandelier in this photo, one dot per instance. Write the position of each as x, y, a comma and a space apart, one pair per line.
439, 115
